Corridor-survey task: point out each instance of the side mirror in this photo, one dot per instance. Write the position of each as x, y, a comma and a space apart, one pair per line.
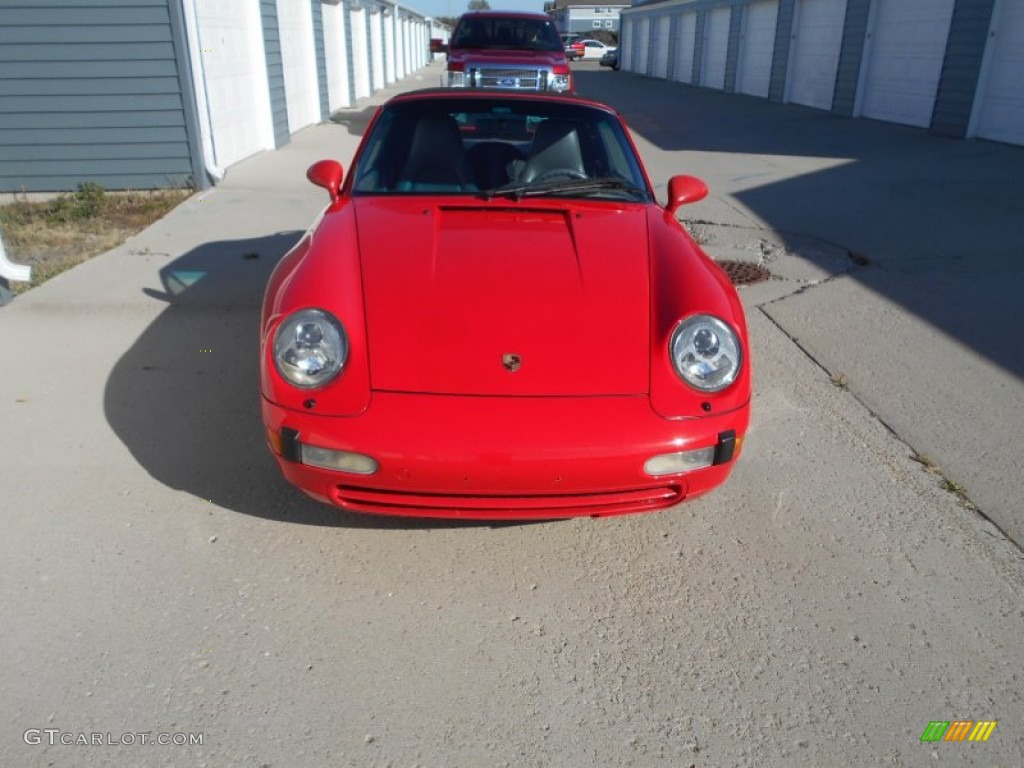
438, 46
683, 190
327, 174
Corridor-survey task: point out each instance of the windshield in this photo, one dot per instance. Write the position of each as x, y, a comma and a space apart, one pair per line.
499, 147
506, 34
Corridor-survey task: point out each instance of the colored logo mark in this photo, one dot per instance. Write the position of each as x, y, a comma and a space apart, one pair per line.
959, 730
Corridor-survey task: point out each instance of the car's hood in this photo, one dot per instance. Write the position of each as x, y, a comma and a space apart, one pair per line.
505, 300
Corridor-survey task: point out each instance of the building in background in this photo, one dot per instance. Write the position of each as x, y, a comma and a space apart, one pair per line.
585, 17
145, 94
951, 66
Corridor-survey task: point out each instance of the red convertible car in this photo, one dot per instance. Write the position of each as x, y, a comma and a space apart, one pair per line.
495, 319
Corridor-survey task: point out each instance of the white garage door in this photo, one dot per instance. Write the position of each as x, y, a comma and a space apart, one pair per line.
377, 46
903, 60
229, 41
661, 28
999, 109
298, 60
814, 54
360, 53
757, 44
337, 61
716, 48
643, 39
685, 34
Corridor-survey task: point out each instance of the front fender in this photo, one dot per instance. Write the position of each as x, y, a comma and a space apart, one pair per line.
685, 282
322, 270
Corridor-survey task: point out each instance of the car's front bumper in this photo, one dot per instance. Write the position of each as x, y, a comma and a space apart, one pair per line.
504, 457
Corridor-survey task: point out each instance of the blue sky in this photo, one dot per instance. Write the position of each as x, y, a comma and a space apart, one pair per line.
458, 7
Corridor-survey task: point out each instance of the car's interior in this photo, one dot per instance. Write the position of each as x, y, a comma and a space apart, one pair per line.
422, 149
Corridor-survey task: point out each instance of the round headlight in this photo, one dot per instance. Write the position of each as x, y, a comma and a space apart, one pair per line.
706, 353
310, 348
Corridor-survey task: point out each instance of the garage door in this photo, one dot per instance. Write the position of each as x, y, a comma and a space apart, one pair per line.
643, 39
230, 42
999, 110
686, 30
661, 29
360, 53
814, 53
757, 44
903, 60
377, 47
716, 48
337, 59
298, 58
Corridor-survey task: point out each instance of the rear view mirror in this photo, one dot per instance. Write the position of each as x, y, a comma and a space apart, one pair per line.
327, 174
683, 190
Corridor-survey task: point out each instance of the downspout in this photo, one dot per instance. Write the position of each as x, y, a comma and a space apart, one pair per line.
199, 83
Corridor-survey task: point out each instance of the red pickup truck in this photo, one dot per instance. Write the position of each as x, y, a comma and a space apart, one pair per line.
500, 49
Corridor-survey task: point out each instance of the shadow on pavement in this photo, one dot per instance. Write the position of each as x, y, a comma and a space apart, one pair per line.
939, 219
184, 399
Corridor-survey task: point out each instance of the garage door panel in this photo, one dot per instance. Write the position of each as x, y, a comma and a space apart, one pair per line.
643, 39
904, 55
230, 43
298, 55
716, 48
661, 30
757, 46
814, 55
686, 30
1001, 92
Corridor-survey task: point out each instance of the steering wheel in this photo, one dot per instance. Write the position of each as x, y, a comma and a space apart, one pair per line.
558, 173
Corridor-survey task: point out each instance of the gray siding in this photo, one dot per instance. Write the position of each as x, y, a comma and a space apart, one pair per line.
733, 55
78, 104
275, 72
321, 59
349, 60
959, 82
698, 47
780, 58
851, 55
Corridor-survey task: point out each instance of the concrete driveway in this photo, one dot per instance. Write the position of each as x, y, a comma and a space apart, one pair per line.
822, 608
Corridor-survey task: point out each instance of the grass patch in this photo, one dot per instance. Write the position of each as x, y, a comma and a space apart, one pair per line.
58, 234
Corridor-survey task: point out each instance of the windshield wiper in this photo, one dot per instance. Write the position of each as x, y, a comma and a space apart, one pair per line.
519, 191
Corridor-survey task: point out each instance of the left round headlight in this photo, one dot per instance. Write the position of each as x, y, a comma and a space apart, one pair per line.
310, 348
706, 353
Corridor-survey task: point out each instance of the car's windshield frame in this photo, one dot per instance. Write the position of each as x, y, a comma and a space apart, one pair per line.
489, 147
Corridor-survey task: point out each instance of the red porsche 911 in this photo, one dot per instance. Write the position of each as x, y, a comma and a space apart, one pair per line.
495, 319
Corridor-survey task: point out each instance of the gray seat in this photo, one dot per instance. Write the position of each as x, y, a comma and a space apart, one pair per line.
437, 160
556, 147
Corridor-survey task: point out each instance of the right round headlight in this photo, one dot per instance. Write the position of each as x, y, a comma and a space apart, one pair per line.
310, 348
705, 353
